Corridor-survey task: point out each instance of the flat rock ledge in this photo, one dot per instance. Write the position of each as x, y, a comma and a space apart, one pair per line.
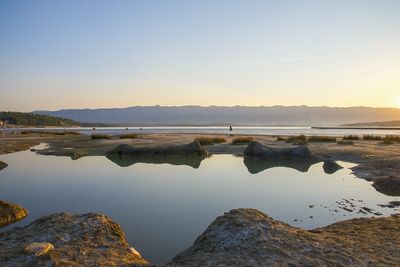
63, 239
248, 237
3, 165
11, 213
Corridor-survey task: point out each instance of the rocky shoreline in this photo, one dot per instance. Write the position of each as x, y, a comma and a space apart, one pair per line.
241, 237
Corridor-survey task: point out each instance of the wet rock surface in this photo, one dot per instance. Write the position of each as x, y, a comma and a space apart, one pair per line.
330, 166
247, 237
260, 151
3, 165
11, 213
63, 239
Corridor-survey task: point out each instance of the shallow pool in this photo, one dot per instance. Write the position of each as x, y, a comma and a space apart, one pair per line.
164, 204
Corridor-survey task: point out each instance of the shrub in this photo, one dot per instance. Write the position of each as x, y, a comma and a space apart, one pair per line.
279, 138
297, 139
50, 132
390, 139
100, 136
204, 141
351, 137
321, 139
371, 137
128, 136
241, 140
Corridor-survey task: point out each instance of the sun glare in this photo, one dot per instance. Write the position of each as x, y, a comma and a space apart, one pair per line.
397, 101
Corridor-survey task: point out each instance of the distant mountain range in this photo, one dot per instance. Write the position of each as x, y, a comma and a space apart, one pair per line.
376, 123
236, 115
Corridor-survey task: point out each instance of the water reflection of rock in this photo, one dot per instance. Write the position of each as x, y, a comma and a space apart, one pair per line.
258, 157
128, 160
255, 165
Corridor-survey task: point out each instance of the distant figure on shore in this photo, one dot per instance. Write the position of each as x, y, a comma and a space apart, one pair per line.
230, 128
126, 128
94, 129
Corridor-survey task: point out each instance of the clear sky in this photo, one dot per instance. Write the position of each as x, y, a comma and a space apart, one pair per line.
88, 54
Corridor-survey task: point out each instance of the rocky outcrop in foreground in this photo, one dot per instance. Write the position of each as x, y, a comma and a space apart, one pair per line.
11, 213
247, 237
300, 158
3, 165
68, 240
193, 148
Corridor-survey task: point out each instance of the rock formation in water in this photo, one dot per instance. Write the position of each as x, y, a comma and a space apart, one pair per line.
68, 240
258, 150
330, 166
11, 213
193, 148
3, 165
247, 237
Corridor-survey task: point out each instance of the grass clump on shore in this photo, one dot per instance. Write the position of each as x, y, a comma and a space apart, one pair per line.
205, 141
345, 142
241, 140
351, 137
321, 139
296, 139
390, 139
279, 138
128, 136
100, 136
370, 137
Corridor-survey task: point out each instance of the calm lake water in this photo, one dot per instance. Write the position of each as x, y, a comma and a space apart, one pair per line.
163, 208
225, 130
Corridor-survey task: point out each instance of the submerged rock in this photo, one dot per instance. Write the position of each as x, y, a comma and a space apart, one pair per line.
193, 148
11, 213
259, 151
63, 239
330, 166
247, 237
3, 165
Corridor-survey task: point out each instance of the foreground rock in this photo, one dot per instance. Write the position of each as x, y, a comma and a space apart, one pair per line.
3, 165
68, 240
247, 237
193, 148
11, 213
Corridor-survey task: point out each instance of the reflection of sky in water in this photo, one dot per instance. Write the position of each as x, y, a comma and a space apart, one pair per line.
163, 207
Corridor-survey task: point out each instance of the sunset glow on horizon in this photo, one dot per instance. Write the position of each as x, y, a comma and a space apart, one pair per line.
92, 54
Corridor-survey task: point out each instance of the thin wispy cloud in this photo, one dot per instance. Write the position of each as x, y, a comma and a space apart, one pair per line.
294, 59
